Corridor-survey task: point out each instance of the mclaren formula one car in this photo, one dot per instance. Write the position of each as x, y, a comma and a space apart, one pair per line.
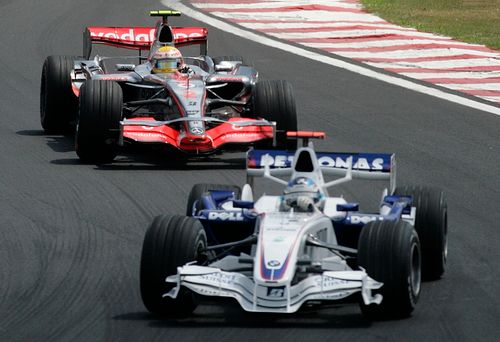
305, 246
200, 106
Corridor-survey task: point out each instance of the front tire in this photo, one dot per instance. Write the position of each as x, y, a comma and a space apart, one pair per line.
275, 101
171, 241
199, 189
389, 251
431, 224
58, 103
98, 128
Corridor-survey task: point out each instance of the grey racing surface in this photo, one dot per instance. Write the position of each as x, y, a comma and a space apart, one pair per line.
71, 234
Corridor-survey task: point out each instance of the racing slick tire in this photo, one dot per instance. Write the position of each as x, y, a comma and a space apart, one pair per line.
275, 101
389, 251
58, 103
431, 224
98, 129
170, 241
199, 189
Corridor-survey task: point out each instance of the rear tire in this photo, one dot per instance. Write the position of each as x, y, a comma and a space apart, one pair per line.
275, 101
98, 128
431, 224
58, 103
199, 189
171, 241
389, 251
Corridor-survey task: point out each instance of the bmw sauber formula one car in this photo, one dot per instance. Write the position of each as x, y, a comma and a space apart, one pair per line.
305, 246
198, 105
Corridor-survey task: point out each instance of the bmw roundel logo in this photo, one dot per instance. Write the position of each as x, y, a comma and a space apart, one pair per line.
273, 263
197, 130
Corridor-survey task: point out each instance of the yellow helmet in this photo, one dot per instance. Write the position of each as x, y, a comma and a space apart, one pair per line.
167, 59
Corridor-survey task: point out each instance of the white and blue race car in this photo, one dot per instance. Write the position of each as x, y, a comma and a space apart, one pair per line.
278, 252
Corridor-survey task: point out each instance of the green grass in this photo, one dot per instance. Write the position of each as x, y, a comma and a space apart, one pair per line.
473, 21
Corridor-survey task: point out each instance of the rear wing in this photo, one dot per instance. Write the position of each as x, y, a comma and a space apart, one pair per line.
281, 163
141, 38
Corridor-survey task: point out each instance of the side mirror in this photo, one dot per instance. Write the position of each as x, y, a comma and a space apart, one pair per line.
348, 207
243, 204
125, 67
224, 66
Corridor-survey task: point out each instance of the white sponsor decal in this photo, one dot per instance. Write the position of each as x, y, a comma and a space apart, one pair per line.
326, 282
365, 219
183, 35
360, 164
142, 37
225, 216
219, 278
144, 134
127, 36
241, 135
277, 161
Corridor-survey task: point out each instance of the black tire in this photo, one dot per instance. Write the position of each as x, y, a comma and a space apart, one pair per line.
431, 224
219, 59
58, 103
171, 241
275, 101
199, 189
98, 128
389, 251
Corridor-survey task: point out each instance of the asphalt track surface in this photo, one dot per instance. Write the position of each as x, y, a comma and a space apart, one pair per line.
71, 234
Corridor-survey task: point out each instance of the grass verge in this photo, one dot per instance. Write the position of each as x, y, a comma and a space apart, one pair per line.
473, 21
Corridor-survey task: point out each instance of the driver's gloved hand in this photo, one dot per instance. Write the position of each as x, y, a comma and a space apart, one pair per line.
185, 69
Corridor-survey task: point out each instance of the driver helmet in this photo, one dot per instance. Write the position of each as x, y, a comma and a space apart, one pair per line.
302, 186
166, 59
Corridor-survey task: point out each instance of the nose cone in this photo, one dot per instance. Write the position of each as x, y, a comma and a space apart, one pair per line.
196, 143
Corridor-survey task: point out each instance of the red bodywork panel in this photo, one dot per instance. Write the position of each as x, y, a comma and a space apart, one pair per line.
212, 140
306, 134
140, 38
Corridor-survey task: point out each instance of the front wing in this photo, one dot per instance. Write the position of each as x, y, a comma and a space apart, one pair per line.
253, 297
233, 131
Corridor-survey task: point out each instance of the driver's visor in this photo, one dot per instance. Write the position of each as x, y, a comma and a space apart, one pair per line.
166, 64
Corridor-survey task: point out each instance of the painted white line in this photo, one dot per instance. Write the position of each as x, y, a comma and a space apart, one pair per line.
460, 63
275, 4
409, 53
492, 98
384, 43
296, 15
452, 74
229, 28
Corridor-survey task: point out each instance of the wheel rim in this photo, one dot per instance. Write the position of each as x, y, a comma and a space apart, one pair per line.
201, 256
415, 270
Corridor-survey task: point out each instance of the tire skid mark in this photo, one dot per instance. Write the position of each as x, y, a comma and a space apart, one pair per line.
73, 249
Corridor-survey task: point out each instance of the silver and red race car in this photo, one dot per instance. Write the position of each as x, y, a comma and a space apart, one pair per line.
210, 105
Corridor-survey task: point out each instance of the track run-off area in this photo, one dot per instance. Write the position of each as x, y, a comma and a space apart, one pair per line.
71, 233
